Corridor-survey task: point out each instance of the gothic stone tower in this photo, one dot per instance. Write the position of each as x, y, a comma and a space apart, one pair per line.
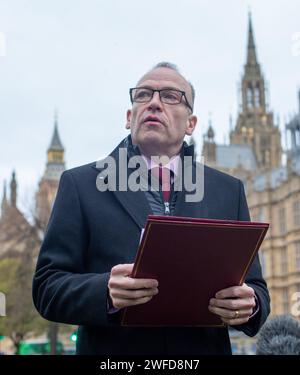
49, 183
255, 125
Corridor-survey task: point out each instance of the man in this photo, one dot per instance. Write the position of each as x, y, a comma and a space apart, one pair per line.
85, 262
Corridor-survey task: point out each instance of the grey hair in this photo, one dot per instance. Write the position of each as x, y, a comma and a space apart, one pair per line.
169, 65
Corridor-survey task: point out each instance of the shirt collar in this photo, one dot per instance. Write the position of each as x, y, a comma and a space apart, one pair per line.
172, 165
186, 150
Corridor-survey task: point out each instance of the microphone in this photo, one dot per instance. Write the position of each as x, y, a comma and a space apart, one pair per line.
279, 336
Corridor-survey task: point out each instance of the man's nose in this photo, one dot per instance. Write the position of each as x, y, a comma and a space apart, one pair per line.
155, 103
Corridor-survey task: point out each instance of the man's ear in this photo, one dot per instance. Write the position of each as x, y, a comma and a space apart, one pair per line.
128, 123
191, 124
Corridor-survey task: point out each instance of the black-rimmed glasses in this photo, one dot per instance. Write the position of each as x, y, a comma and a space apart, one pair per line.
168, 96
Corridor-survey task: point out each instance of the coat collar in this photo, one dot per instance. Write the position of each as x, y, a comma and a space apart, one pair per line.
136, 203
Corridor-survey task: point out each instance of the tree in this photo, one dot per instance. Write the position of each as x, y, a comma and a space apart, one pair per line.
20, 241
21, 316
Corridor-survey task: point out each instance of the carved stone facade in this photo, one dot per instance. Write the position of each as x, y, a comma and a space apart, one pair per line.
49, 183
273, 188
17, 234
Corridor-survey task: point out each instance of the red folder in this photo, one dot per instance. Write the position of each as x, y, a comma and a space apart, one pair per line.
192, 259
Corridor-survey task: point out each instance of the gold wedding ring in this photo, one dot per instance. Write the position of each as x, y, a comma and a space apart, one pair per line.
237, 313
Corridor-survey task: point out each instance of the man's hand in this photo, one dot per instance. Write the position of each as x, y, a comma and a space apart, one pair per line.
234, 305
125, 291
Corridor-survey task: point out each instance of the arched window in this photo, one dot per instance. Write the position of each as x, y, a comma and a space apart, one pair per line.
257, 97
249, 96
263, 262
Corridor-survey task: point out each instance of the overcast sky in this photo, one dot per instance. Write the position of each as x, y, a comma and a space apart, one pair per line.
81, 56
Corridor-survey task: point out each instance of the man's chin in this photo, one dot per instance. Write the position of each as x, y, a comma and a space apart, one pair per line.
151, 141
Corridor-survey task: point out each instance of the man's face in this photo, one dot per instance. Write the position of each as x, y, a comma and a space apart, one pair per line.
157, 126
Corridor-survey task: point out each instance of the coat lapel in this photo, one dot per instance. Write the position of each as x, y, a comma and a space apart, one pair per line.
191, 209
134, 202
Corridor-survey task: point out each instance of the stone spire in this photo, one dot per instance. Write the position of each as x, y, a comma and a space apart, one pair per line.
13, 190
4, 203
253, 84
48, 184
255, 124
210, 132
55, 144
55, 155
293, 126
251, 51
209, 145
230, 123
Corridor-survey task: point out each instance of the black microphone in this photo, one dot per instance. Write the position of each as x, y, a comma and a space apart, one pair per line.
279, 336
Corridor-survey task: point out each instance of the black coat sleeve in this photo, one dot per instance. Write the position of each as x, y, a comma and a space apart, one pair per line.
254, 279
62, 290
